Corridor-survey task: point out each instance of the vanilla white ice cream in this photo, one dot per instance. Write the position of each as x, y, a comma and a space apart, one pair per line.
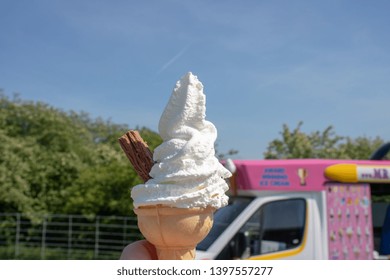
186, 173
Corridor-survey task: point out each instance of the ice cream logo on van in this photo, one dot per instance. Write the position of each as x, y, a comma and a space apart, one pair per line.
302, 174
274, 177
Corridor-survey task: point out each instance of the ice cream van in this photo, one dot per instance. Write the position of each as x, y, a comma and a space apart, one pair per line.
303, 209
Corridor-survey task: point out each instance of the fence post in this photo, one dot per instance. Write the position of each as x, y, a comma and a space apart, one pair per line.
124, 232
70, 228
17, 235
43, 240
97, 237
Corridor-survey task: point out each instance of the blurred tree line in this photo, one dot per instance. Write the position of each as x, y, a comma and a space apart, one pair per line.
295, 143
65, 162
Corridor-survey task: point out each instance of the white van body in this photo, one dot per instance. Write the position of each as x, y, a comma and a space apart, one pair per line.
291, 209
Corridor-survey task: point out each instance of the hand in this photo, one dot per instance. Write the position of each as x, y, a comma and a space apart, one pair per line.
139, 250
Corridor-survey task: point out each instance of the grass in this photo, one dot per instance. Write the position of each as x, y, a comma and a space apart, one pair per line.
35, 253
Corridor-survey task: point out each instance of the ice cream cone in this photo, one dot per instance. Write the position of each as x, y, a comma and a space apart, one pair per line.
174, 232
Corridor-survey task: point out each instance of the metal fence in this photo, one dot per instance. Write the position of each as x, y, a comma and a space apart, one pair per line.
57, 236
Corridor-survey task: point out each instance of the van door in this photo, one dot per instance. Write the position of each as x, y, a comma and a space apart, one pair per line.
279, 228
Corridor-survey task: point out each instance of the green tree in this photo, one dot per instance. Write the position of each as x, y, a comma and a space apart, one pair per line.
320, 144
63, 162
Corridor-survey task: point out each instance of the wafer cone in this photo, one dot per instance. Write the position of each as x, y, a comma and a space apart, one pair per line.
174, 232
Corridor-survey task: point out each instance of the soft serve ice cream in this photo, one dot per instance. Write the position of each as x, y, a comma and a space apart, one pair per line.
186, 173
175, 207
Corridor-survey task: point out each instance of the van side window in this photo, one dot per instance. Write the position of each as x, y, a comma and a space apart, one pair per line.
276, 226
282, 225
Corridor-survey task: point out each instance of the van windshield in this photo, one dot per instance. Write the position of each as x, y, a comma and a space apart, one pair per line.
223, 217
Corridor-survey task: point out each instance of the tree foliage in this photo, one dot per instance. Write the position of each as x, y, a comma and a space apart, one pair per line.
295, 143
63, 162
53, 161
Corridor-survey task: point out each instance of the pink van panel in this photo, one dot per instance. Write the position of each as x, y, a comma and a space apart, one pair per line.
287, 175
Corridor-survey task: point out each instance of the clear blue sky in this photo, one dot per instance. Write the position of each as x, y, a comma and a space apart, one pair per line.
262, 63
